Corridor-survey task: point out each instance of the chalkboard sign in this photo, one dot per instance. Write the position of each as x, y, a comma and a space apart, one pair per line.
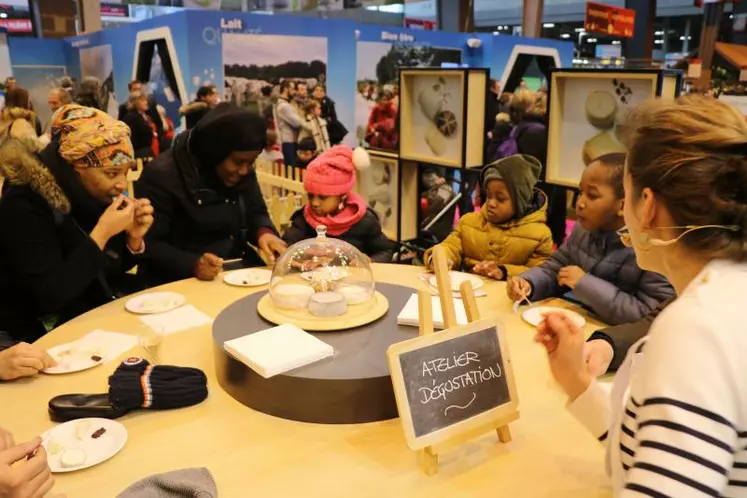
452, 380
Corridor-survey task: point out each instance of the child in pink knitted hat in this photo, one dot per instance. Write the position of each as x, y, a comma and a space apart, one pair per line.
329, 181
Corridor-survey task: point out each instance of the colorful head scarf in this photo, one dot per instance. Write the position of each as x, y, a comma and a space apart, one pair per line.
91, 138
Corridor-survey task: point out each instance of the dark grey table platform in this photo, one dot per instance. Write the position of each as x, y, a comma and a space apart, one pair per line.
351, 387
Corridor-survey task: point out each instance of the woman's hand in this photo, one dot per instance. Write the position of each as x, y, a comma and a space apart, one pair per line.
598, 355
564, 343
271, 245
518, 288
117, 218
141, 223
23, 360
208, 267
24, 471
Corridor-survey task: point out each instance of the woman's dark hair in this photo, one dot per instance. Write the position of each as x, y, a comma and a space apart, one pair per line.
692, 153
318, 85
18, 97
205, 91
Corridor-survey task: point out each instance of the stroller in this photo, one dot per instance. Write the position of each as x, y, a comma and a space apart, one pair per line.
438, 207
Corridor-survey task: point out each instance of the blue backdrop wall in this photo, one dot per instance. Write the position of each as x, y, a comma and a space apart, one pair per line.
241, 53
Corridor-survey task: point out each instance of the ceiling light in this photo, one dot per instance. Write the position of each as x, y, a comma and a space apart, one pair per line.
682, 38
496, 33
580, 30
658, 33
565, 35
591, 40
659, 42
616, 42
548, 25
3, 15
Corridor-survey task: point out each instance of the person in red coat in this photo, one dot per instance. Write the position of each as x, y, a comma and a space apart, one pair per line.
382, 124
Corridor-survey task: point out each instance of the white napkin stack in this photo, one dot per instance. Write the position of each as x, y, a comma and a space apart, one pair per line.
277, 350
182, 318
410, 316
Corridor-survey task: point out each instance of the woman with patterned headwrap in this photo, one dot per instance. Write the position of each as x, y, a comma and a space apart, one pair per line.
68, 235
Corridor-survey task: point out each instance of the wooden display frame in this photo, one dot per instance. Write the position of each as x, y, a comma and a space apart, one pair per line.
559, 78
362, 187
497, 418
471, 135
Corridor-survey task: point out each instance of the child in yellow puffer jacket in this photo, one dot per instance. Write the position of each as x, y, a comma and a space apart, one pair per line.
509, 234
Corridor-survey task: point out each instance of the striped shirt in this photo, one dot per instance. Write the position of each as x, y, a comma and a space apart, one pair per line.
677, 416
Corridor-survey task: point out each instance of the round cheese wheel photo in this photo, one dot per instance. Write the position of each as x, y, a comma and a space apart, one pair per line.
601, 109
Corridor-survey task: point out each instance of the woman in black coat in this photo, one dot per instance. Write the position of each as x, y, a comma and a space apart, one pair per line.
335, 128
68, 234
143, 131
208, 203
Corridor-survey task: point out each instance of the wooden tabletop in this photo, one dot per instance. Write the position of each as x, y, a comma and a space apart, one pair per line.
252, 454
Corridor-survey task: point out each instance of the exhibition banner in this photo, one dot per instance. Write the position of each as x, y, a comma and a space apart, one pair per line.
609, 20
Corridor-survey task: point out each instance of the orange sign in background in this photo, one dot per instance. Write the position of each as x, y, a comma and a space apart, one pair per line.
610, 20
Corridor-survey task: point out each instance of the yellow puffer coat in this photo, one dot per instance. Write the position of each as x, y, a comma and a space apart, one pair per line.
516, 245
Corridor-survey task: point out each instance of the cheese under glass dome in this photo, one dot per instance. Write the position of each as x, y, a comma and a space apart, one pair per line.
322, 278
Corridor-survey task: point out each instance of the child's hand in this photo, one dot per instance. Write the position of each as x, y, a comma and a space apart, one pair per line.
569, 276
518, 288
488, 269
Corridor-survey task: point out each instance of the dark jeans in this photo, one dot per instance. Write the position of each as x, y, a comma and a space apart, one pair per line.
289, 153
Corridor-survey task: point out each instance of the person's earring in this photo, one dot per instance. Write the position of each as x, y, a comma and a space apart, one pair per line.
644, 243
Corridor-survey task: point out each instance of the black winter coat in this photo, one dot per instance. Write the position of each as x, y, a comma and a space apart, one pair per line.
141, 134
531, 139
194, 112
366, 235
49, 266
194, 216
335, 128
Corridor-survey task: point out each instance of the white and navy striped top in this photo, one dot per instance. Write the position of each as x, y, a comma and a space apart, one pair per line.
676, 422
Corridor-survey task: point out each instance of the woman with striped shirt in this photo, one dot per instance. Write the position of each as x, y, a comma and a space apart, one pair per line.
675, 423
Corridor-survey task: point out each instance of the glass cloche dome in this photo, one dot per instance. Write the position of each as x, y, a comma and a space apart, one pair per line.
322, 278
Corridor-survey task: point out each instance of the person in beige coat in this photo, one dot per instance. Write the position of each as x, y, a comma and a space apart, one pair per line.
17, 120
315, 127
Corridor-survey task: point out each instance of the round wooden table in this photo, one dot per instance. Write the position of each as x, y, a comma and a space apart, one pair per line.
252, 454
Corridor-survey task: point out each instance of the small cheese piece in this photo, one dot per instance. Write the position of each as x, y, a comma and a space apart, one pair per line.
72, 458
435, 140
328, 304
601, 109
54, 447
291, 296
354, 294
599, 145
82, 429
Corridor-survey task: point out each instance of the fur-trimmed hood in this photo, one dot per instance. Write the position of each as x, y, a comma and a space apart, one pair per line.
20, 165
13, 113
196, 106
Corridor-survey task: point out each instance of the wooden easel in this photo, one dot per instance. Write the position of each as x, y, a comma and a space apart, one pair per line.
427, 457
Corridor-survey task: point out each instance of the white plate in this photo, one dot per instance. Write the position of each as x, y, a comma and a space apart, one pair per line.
154, 302
65, 437
249, 277
326, 273
535, 315
73, 357
457, 278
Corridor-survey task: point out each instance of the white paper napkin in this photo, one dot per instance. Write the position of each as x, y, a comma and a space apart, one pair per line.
183, 318
110, 345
